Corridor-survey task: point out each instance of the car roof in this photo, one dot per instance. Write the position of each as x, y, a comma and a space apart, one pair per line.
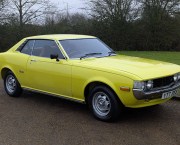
60, 36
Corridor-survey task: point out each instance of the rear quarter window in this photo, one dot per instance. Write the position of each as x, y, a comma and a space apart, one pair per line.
27, 49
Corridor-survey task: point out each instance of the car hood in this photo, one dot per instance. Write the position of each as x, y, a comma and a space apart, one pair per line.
140, 67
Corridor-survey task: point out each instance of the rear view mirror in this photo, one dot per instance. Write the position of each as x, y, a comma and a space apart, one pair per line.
54, 56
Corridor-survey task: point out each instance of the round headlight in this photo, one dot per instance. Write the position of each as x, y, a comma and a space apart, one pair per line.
139, 85
176, 76
149, 85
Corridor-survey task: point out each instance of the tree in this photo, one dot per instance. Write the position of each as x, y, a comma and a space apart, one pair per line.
112, 9
28, 11
160, 7
114, 18
3, 5
159, 24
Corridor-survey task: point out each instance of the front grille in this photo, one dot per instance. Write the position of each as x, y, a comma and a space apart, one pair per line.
163, 82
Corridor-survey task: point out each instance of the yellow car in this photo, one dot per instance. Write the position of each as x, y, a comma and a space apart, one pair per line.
84, 69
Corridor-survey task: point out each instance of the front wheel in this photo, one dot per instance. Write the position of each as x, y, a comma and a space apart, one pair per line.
104, 104
11, 85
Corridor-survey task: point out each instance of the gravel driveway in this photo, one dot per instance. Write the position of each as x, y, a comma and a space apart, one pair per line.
35, 119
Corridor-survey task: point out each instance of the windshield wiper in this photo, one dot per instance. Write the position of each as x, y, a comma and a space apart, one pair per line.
89, 54
112, 52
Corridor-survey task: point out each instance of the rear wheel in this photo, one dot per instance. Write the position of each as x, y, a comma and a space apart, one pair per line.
104, 104
11, 85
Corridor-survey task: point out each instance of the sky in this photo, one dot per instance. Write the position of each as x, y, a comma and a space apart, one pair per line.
73, 5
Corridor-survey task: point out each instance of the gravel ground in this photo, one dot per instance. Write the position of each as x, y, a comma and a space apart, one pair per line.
35, 119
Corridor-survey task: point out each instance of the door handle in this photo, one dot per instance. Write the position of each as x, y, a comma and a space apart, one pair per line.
33, 60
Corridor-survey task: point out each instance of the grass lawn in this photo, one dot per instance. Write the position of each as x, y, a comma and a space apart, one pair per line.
173, 57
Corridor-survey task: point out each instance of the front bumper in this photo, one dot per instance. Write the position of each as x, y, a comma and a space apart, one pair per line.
155, 94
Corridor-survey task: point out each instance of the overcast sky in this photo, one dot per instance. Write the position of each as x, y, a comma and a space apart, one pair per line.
74, 5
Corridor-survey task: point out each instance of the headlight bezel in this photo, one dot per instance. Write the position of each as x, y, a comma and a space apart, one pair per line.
139, 85
149, 84
143, 85
176, 77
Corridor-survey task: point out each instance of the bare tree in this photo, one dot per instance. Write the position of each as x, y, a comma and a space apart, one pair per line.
29, 11
161, 7
3, 5
170, 6
115, 17
112, 9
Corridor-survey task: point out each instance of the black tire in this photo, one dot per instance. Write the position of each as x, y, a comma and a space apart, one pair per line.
114, 106
15, 90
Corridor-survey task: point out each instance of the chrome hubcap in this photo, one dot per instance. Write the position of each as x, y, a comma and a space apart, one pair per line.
101, 104
10, 83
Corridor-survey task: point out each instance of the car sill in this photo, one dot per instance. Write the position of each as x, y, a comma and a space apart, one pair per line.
54, 95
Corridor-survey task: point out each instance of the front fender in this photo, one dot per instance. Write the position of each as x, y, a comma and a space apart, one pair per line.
87, 76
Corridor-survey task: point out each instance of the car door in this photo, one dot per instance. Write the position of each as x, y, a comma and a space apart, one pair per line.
46, 74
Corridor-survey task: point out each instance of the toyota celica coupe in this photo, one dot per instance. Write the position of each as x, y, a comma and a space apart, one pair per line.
84, 69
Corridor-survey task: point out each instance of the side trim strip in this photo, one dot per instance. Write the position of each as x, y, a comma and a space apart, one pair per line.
55, 95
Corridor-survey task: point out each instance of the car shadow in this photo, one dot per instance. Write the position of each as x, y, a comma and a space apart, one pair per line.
176, 98
51, 101
128, 115
142, 114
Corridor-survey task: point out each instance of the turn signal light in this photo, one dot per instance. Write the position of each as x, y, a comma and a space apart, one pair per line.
126, 89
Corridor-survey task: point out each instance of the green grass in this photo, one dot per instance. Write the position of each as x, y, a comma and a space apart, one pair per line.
173, 57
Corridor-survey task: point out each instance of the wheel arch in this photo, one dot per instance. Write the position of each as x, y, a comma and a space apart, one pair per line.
4, 70
93, 84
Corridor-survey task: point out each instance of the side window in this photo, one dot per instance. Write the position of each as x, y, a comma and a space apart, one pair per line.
27, 49
44, 48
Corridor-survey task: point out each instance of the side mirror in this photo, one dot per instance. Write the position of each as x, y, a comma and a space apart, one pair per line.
54, 56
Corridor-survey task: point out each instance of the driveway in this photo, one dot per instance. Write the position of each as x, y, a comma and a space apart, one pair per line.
35, 119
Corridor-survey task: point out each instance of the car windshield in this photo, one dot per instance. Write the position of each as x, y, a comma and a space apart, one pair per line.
82, 48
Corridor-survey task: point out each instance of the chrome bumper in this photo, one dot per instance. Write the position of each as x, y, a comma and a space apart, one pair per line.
155, 94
